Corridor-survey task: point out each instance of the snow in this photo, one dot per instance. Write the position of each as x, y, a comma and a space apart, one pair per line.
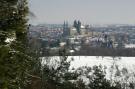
8, 40
82, 26
62, 44
71, 51
108, 62
129, 45
74, 29
79, 61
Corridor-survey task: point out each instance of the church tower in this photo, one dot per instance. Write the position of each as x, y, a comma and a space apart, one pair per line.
65, 29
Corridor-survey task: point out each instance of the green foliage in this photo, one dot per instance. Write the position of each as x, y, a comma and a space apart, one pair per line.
19, 67
57, 77
55, 74
99, 81
15, 59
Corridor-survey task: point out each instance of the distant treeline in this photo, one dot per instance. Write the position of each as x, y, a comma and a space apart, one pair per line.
89, 51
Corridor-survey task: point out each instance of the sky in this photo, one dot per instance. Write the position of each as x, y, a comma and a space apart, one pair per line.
87, 11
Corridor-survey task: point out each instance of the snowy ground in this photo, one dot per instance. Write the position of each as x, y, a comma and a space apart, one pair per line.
79, 61
90, 61
129, 45
122, 62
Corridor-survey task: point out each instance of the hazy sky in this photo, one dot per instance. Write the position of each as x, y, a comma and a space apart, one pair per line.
87, 11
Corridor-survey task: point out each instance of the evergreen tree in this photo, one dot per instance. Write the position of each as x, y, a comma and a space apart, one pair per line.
57, 76
98, 79
15, 59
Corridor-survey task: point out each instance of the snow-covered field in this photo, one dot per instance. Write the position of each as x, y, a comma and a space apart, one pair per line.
117, 63
122, 62
128, 62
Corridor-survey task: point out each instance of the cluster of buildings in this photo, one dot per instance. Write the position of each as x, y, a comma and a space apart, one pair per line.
77, 35
109, 36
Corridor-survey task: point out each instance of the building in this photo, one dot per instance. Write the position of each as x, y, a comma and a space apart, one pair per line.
73, 31
66, 31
